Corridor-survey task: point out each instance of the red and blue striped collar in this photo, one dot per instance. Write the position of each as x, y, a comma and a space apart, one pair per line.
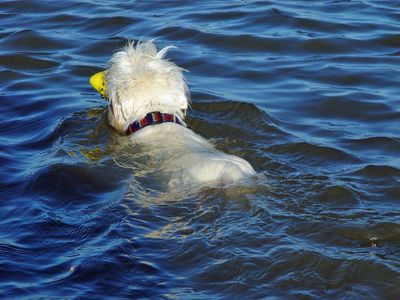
152, 118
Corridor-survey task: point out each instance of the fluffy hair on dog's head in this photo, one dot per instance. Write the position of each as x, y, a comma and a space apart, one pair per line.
140, 80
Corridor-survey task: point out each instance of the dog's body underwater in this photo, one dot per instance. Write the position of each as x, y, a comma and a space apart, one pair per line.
140, 81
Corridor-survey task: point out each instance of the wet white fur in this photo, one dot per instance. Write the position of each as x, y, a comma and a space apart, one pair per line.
141, 80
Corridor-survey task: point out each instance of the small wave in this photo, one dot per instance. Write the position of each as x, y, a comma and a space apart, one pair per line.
70, 20
32, 41
380, 144
377, 171
338, 196
110, 25
27, 62
243, 116
351, 109
218, 16
304, 152
72, 183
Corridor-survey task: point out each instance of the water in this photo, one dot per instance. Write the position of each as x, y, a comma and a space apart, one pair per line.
307, 91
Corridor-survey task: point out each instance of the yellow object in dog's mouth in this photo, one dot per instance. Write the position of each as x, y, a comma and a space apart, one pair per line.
99, 83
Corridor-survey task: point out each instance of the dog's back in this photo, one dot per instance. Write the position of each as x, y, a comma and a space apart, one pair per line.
188, 158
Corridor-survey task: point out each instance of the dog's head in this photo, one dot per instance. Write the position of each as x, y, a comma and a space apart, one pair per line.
140, 80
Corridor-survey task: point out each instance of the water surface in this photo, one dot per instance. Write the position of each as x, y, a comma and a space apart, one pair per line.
306, 91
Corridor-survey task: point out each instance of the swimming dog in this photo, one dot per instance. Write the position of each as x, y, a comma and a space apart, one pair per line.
147, 101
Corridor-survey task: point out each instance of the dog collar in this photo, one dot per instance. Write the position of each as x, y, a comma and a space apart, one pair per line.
152, 118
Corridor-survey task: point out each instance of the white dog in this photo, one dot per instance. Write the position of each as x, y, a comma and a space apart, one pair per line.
148, 99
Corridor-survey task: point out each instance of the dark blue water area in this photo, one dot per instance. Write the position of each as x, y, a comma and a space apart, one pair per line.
306, 91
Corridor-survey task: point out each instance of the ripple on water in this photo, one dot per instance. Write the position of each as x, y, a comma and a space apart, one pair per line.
111, 25
34, 41
379, 144
316, 155
27, 62
352, 109
339, 197
71, 184
378, 171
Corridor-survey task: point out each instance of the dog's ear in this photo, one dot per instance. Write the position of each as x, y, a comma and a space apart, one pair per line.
183, 103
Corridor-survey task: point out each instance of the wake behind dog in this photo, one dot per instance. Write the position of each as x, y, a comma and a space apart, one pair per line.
147, 100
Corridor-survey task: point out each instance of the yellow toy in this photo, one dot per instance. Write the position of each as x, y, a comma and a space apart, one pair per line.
99, 83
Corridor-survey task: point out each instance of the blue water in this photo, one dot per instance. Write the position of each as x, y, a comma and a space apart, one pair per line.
306, 91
